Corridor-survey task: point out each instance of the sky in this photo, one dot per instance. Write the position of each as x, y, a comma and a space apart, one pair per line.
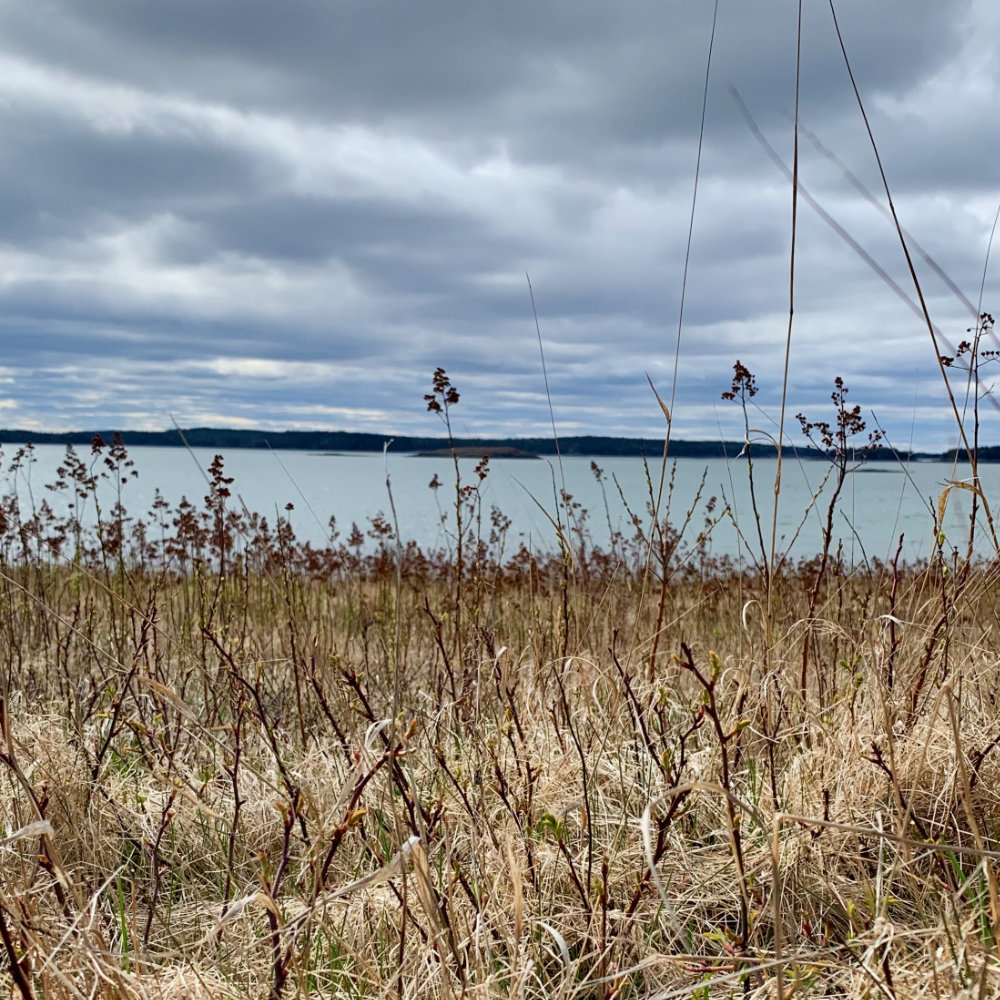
238, 213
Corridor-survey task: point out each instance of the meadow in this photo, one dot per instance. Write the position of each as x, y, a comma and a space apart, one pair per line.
235, 764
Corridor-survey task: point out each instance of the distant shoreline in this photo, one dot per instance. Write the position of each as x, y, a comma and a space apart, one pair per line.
345, 442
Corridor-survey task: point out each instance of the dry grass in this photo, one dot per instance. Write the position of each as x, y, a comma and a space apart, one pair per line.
263, 778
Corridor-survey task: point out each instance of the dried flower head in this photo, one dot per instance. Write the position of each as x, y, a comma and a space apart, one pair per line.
744, 383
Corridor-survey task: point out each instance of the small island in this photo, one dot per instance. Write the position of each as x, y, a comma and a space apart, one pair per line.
484, 451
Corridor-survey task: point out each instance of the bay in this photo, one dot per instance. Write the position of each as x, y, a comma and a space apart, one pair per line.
880, 501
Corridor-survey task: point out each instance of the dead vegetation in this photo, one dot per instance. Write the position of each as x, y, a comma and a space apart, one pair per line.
234, 766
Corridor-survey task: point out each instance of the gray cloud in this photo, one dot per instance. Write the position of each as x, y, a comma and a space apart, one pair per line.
254, 213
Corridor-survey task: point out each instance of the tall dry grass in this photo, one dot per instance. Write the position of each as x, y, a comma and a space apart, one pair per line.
234, 765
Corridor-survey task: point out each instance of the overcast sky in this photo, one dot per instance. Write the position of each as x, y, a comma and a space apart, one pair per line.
279, 215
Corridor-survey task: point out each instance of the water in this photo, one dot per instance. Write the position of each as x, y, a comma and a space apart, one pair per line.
879, 502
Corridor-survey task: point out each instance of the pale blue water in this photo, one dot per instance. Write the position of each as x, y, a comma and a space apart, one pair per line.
879, 502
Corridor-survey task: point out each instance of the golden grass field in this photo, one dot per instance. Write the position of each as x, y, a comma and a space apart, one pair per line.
234, 766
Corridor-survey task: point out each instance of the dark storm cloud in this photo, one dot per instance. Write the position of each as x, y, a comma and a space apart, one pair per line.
289, 214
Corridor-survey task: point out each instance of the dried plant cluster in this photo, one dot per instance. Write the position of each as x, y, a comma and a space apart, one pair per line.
235, 765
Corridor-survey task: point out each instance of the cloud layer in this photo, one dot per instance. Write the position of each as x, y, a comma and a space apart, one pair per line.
242, 213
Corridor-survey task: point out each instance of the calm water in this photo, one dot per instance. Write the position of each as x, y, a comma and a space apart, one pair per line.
879, 502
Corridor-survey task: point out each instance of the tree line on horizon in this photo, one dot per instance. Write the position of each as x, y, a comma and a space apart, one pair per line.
361, 441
